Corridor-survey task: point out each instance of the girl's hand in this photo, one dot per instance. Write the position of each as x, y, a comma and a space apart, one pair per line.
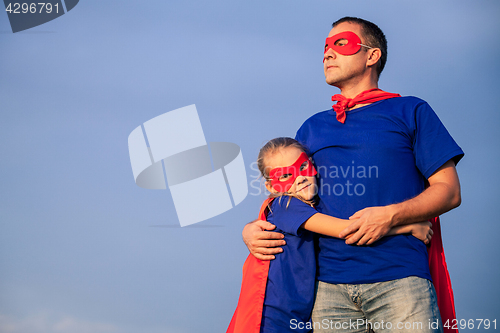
422, 231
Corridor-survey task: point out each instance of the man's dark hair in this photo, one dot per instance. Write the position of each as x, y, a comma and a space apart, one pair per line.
373, 36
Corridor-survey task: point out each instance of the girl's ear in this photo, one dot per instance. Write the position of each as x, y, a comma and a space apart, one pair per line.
269, 187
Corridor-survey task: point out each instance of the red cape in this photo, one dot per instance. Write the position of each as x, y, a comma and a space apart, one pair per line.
441, 278
248, 314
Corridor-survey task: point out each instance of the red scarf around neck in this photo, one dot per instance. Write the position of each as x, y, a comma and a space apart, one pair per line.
368, 96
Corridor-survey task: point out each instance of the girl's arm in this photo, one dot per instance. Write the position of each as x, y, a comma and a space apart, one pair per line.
332, 226
325, 225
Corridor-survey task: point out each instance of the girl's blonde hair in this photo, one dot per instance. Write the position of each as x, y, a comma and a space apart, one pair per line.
273, 147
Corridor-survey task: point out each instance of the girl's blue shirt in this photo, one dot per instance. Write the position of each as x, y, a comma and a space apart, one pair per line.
290, 286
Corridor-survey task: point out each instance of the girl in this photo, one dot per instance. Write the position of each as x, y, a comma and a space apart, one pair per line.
278, 296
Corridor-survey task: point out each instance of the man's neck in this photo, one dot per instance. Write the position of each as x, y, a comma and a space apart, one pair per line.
353, 91
355, 86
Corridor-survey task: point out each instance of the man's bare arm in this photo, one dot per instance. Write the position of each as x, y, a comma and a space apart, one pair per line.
261, 243
442, 195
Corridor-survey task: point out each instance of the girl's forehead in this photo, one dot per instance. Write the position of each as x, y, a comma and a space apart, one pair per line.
283, 157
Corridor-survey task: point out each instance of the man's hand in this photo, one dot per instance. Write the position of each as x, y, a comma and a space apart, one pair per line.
261, 243
371, 224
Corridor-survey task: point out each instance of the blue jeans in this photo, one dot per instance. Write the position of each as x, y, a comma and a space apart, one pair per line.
405, 305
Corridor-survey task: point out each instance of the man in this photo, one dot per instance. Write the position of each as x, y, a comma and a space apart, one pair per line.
382, 161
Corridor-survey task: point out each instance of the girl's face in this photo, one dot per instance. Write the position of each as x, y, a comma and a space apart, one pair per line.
304, 186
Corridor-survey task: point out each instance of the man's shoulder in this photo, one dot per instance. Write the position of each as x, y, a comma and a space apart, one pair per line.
316, 118
319, 115
312, 124
408, 101
404, 108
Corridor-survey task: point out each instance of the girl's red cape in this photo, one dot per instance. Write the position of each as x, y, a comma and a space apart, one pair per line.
248, 314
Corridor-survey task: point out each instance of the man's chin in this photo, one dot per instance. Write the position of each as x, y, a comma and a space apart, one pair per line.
332, 82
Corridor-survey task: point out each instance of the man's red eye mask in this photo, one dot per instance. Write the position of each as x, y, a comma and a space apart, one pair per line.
353, 43
294, 171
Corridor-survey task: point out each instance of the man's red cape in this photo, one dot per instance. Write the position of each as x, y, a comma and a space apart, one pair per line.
248, 314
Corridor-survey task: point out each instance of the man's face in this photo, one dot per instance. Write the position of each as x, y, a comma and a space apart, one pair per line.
342, 69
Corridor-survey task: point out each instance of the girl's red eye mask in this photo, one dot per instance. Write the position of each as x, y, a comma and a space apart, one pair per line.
283, 178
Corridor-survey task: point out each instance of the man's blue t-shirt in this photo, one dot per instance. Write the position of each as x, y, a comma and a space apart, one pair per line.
290, 283
381, 155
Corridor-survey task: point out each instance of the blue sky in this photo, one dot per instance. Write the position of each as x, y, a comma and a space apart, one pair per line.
83, 249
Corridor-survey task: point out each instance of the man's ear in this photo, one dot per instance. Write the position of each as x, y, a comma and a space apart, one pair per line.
374, 55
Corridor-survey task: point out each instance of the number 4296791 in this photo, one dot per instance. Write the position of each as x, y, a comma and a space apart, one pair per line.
471, 324
23, 8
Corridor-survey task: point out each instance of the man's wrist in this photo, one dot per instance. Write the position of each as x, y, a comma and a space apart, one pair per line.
394, 214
